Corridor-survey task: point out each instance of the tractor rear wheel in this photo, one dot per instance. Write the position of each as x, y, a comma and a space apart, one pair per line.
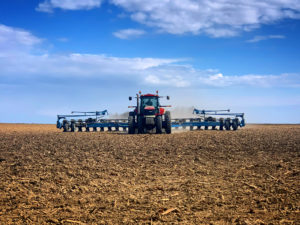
140, 125
168, 122
131, 128
158, 125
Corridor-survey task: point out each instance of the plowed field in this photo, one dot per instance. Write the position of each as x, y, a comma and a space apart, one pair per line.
251, 176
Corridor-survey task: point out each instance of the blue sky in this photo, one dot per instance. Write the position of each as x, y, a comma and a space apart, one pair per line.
62, 55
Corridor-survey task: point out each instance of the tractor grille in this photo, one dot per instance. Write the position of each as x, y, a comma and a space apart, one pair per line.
149, 112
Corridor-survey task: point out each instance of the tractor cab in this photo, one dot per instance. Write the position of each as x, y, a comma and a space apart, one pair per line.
149, 115
149, 104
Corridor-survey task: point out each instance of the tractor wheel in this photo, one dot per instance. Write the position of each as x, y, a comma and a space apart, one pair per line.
131, 128
140, 125
168, 122
72, 127
158, 125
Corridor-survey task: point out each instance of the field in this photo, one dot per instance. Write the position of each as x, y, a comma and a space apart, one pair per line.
251, 176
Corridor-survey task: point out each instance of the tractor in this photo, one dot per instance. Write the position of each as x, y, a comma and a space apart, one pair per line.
148, 115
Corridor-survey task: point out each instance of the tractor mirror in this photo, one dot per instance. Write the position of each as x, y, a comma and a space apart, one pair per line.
168, 97
130, 98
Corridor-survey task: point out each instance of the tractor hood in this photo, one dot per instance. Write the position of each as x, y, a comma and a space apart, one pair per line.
149, 108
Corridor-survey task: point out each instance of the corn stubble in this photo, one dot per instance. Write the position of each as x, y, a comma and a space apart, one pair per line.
251, 176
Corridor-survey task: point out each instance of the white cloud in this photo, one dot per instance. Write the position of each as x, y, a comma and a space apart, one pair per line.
254, 80
80, 65
217, 76
220, 32
13, 40
262, 38
217, 18
166, 80
186, 76
129, 33
18, 59
49, 5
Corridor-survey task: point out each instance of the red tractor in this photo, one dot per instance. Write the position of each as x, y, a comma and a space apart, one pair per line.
149, 115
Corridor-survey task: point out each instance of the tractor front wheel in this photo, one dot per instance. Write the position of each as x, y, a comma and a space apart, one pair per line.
158, 125
168, 122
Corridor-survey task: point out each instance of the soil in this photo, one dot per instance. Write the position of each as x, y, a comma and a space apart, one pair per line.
249, 176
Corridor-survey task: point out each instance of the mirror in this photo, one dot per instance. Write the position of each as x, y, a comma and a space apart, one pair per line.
168, 97
130, 98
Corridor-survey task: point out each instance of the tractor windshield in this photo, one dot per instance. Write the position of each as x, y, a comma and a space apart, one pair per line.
149, 101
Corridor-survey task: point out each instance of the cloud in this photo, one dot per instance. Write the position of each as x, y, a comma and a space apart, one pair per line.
254, 80
216, 18
49, 5
20, 60
166, 80
263, 38
80, 65
15, 40
172, 75
129, 33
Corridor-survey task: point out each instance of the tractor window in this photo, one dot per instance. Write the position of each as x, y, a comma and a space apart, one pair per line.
149, 101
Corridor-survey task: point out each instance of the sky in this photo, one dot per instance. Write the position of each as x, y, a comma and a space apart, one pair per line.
57, 56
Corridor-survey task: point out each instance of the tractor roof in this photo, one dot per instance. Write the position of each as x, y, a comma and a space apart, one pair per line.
149, 95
